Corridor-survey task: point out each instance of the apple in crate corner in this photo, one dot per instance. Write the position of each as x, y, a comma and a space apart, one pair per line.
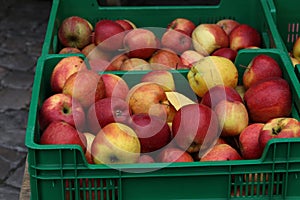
282, 127
89, 140
161, 77
226, 52
296, 49
164, 59
153, 132
86, 86
173, 154
59, 132
109, 35
63, 70
115, 86
267, 99
228, 25
244, 36
116, 143
140, 43
75, 32
91, 52
150, 98
195, 127
232, 116
66, 50
218, 93
209, 37
260, 68
182, 24
221, 152
176, 40
61, 107
105, 111
249, 141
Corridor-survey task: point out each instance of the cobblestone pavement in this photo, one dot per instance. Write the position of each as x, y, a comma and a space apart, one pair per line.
22, 30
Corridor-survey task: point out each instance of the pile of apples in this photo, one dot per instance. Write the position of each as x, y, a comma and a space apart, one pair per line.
151, 121
122, 46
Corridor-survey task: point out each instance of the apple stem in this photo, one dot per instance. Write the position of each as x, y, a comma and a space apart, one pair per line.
243, 66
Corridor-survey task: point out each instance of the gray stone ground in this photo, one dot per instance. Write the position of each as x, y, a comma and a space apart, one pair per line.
23, 26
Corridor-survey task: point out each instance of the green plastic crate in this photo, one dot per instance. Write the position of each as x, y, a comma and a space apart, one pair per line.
61, 171
254, 12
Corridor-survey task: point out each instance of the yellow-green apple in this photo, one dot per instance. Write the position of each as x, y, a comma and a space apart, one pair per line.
189, 57
116, 143
165, 59
232, 116
221, 152
105, 111
66, 50
115, 86
244, 36
173, 154
226, 52
281, 127
228, 25
61, 107
89, 140
59, 132
91, 52
294, 61
267, 99
211, 71
135, 64
63, 70
296, 49
126, 24
140, 43
145, 158
117, 61
182, 24
261, 67
248, 141
195, 128
177, 40
75, 31
209, 37
150, 98
153, 132
86, 86
241, 90
162, 77
109, 35
218, 93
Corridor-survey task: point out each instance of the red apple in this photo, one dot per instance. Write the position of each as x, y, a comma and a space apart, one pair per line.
66, 50
268, 99
115, 86
261, 67
171, 154
126, 24
86, 86
226, 52
209, 37
61, 107
140, 43
195, 127
232, 116
244, 36
189, 57
176, 40
109, 35
135, 64
153, 132
91, 52
221, 152
282, 127
182, 24
161, 77
116, 143
228, 25
63, 70
248, 141
105, 111
218, 93
59, 132
117, 61
145, 158
100, 65
165, 59
75, 31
